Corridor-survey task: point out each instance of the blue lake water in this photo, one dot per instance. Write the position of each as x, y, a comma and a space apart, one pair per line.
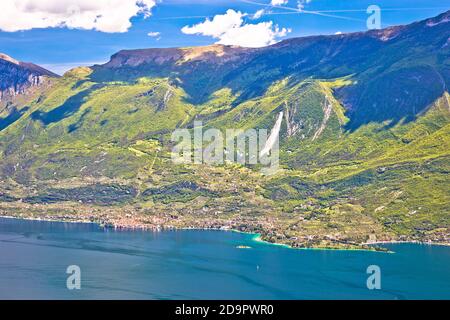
34, 256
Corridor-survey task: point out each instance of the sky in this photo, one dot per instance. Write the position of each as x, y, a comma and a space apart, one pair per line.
62, 34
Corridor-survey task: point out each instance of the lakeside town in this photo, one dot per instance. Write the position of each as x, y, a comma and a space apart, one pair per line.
130, 218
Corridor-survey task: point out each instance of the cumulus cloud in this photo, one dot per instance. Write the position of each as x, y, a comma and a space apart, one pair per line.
230, 29
253, 35
218, 26
101, 15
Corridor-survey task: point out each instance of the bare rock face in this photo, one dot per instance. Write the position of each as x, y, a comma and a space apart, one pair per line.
17, 77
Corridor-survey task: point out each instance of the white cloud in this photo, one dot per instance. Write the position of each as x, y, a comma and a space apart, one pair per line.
100, 15
338, 32
301, 3
154, 34
230, 29
278, 2
219, 25
253, 35
258, 14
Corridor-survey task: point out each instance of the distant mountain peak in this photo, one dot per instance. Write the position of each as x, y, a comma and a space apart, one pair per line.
17, 77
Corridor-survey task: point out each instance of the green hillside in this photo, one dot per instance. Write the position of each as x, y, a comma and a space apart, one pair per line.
364, 141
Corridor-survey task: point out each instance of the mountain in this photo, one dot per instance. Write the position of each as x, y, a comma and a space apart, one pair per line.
377, 58
364, 139
17, 77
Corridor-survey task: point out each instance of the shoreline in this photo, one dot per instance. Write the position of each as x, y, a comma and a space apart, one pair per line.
256, 237
444, 244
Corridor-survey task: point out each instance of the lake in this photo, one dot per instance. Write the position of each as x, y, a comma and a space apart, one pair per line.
34, 256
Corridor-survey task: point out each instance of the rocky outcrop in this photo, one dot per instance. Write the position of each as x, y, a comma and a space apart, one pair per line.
17, 77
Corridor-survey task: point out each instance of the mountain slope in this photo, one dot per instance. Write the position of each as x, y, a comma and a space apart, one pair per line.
364, 139
18, 81
413, 56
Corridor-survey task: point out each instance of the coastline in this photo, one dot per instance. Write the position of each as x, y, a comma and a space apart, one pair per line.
256, 237
444, 244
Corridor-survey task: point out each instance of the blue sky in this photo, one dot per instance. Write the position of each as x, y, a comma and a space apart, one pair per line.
61, 48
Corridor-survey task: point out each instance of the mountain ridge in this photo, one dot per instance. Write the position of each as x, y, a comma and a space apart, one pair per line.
384, 34
335, 56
